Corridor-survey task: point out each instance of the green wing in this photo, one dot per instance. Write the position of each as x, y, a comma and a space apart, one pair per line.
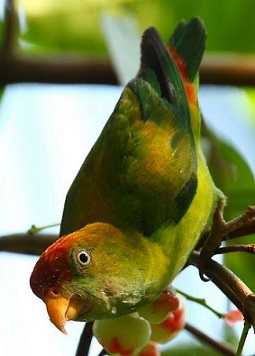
142, 171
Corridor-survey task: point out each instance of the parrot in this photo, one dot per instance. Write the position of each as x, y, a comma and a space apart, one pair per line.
143, 196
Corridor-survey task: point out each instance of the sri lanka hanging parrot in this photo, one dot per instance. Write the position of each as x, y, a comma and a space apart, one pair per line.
143, 196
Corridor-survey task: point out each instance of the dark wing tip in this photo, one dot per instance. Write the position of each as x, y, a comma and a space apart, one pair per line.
152, 52
188, 40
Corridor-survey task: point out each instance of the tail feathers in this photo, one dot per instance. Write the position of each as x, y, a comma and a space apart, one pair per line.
187, 45
154, 60
158, 66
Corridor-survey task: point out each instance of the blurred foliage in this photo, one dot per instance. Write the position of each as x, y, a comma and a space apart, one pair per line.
250, 94
60, 25
242, 264
1, 93
1, 96
233, 176
190, 349
230, 173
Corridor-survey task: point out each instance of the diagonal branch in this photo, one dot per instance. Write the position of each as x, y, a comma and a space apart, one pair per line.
231, 285
222, 347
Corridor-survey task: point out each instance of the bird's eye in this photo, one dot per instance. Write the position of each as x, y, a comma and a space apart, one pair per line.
83, 258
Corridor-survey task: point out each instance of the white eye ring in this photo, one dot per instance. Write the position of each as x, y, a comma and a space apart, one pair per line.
83, 258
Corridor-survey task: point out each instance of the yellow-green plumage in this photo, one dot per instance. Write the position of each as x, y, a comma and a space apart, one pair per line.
143, 196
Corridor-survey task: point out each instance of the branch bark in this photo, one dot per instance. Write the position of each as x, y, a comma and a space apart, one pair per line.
26, 243
59, 70
222, 347
71, 69
85, 340
231, 285
228, 69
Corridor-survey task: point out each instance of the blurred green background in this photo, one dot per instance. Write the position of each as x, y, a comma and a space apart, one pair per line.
76, 25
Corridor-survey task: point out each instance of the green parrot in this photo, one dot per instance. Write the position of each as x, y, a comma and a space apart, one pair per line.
143, 196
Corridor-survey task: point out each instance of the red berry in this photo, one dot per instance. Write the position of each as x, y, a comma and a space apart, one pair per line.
151, 349
158, 311
126, 335
170, 327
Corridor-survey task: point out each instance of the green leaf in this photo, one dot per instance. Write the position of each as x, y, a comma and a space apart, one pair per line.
65, 25
230, 172
250, 95
233, 34
1, 93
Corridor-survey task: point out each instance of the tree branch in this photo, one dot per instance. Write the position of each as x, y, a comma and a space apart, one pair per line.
228, 69
242, 226
26, 243
224, 348
248, 248
85, 340
59, 70
248, 229
231, 285
73, 69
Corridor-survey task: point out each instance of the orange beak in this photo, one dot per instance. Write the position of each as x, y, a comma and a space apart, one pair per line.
62, 308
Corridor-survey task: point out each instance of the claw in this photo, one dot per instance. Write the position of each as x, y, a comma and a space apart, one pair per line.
220, 231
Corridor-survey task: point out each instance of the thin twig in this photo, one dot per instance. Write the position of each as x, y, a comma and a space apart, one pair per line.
85, 340
220, 231
248, 229
224, 348
241, 222
202, 302
239, 227
248, 248
35, 230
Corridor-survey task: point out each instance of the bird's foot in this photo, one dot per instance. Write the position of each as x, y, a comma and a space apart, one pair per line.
220, 231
